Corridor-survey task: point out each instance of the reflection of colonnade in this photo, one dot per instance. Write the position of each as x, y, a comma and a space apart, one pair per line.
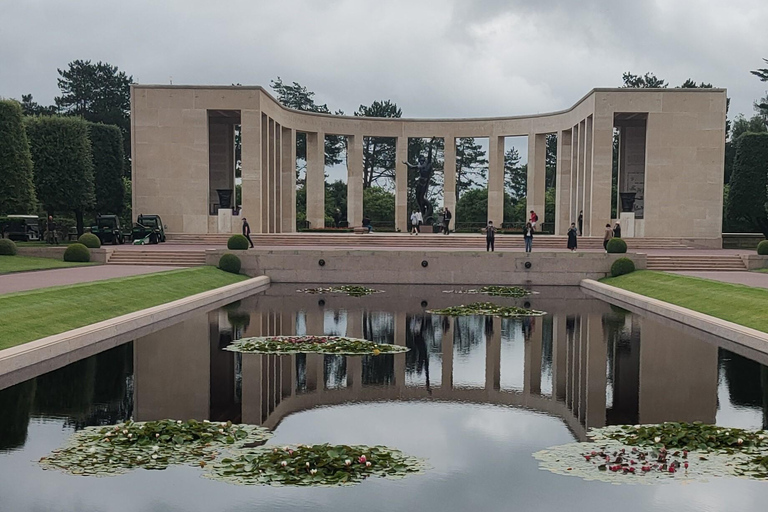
604, 368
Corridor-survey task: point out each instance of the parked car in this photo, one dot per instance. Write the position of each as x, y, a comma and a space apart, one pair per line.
148, 229
22, 228
107, 228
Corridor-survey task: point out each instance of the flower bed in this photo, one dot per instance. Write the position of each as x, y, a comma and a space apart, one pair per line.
314, 465
351, 290
312, 345
496, 291
486, 309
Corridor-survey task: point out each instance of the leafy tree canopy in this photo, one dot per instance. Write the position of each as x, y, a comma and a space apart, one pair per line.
762, 73
649, 80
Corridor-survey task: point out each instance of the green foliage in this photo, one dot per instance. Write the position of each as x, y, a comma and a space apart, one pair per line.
336, 197
7, 247
688, 436
762, 74
237, 243
379, 152
742, 125
17, 189
471, 165
63, 163
762, 248
108, 162
648, 80
31, 108
77, 253
472, 208
515, 175
351, 290
616, 246
486, 309
378, 204
748, 197
496, 291
312, 345
90, 240
230, 263
622, 266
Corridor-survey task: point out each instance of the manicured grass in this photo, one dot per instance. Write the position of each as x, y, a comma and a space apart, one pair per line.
736, 303
764, 270
24, 263
27, 316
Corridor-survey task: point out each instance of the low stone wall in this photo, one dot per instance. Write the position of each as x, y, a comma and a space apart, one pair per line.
754, 261
56, 252
425, 267
742, 240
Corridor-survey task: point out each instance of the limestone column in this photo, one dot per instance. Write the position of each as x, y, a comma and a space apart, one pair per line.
449, 180
401, 185
493, 358
563, 217
276, 175
316, 179
532, 370
580, 176
537, 176
575, 148
589, 226
355, 180
596, 359
602, 172
288, 180
496, 179
266, 169
250, 126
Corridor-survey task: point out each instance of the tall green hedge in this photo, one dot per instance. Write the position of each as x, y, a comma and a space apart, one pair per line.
748, 197
63, 164
17, 189
108, 161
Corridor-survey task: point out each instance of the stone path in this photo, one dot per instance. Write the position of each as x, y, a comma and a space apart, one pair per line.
756, 279
23, 281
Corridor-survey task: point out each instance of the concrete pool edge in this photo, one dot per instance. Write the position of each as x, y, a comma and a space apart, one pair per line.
739, 334
30, 359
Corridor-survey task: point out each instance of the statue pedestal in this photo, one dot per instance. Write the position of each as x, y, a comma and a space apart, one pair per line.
224, 220
627, 221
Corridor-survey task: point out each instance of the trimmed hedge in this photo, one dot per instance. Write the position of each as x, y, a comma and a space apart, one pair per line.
90, 240
108, 161
748, 192
622, 266
237, 243
7, 247
17, 188
230, 263
77, 253
762, 248
616, 246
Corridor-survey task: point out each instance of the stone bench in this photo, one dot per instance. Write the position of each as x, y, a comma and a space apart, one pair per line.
360, 230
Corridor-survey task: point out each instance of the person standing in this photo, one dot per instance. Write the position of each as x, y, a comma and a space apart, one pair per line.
617, 230
608, 235
528, 237
447, 221
367, 224
247, 231
572, 232
337, 218
53, 237
581, 223
414, 223
533, 220
490, 236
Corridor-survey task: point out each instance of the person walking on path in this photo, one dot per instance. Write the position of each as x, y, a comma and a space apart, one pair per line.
490, 236
617, 230
533, 220
608, 235
247, 231
446, 221
528, 237
367, 224
51, 235
581, 223
415, 223
572, 232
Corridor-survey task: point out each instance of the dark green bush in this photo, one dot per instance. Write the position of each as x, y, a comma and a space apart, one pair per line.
237, 243
77, 253
230, 263
748, 192
17, 189
622, 266
7, 247
90, 240
616, 246
762, 248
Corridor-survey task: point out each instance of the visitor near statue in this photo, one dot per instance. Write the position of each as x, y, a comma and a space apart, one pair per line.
533, 220
367, 224
446, 221
247, 231
617, 230
415, 222
581, 223
572, 240
424, 168
608, 235
490, 236
528, 237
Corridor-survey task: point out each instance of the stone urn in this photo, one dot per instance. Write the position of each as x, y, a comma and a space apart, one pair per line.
225, 197
627, 201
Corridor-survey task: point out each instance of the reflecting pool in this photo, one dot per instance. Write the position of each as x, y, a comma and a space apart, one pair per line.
475, 396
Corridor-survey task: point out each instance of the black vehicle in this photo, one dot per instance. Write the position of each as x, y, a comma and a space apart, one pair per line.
148, 229
107, 228
22, 228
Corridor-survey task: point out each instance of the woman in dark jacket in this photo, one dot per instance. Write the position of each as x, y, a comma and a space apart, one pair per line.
528, 237
572, 233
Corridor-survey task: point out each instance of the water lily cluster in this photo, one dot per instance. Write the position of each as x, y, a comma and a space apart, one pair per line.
351, 290
316, 465
487, 309
312, 345
150, 445
496, 291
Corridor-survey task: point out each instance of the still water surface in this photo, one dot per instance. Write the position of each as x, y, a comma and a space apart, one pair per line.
474, 396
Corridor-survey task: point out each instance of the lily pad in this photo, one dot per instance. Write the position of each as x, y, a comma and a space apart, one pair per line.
312, 345
486, 309
351, 290
496, 291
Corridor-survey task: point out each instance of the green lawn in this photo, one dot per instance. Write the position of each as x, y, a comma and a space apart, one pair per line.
24, 263
762, 270
736, 303
27, 316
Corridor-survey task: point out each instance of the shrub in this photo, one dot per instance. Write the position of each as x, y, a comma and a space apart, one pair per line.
747, 195
762, 248
616, 246
17, 189
237, 243
230, 263
77, 253
7, 247
622, 266
90, 240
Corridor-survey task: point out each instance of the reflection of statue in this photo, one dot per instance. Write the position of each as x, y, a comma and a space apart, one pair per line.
424, 166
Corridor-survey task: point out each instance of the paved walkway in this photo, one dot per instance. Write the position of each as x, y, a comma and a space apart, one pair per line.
23, 281
756, 279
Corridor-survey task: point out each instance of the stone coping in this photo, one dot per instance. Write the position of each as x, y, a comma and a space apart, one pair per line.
34, 358
739, 334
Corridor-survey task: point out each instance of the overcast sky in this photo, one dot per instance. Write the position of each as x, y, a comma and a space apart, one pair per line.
433, 58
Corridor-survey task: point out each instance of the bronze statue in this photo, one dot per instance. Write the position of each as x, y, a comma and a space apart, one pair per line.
424, 166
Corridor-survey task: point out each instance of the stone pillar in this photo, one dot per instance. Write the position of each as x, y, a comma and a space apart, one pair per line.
250, 127
589, 226
537, 176
596, 359
496, 179
266, 169
355, 180
288, 180
602, 172
580, 177
401, 185
575, 148
449, 180
276, 197
563, 216
316, 179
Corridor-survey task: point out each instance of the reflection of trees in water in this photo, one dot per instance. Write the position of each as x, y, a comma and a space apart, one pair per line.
335, 371
747, 381
335, 322
15, 406
379, 327
470, 331
378, 370
622, 368
301, 373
